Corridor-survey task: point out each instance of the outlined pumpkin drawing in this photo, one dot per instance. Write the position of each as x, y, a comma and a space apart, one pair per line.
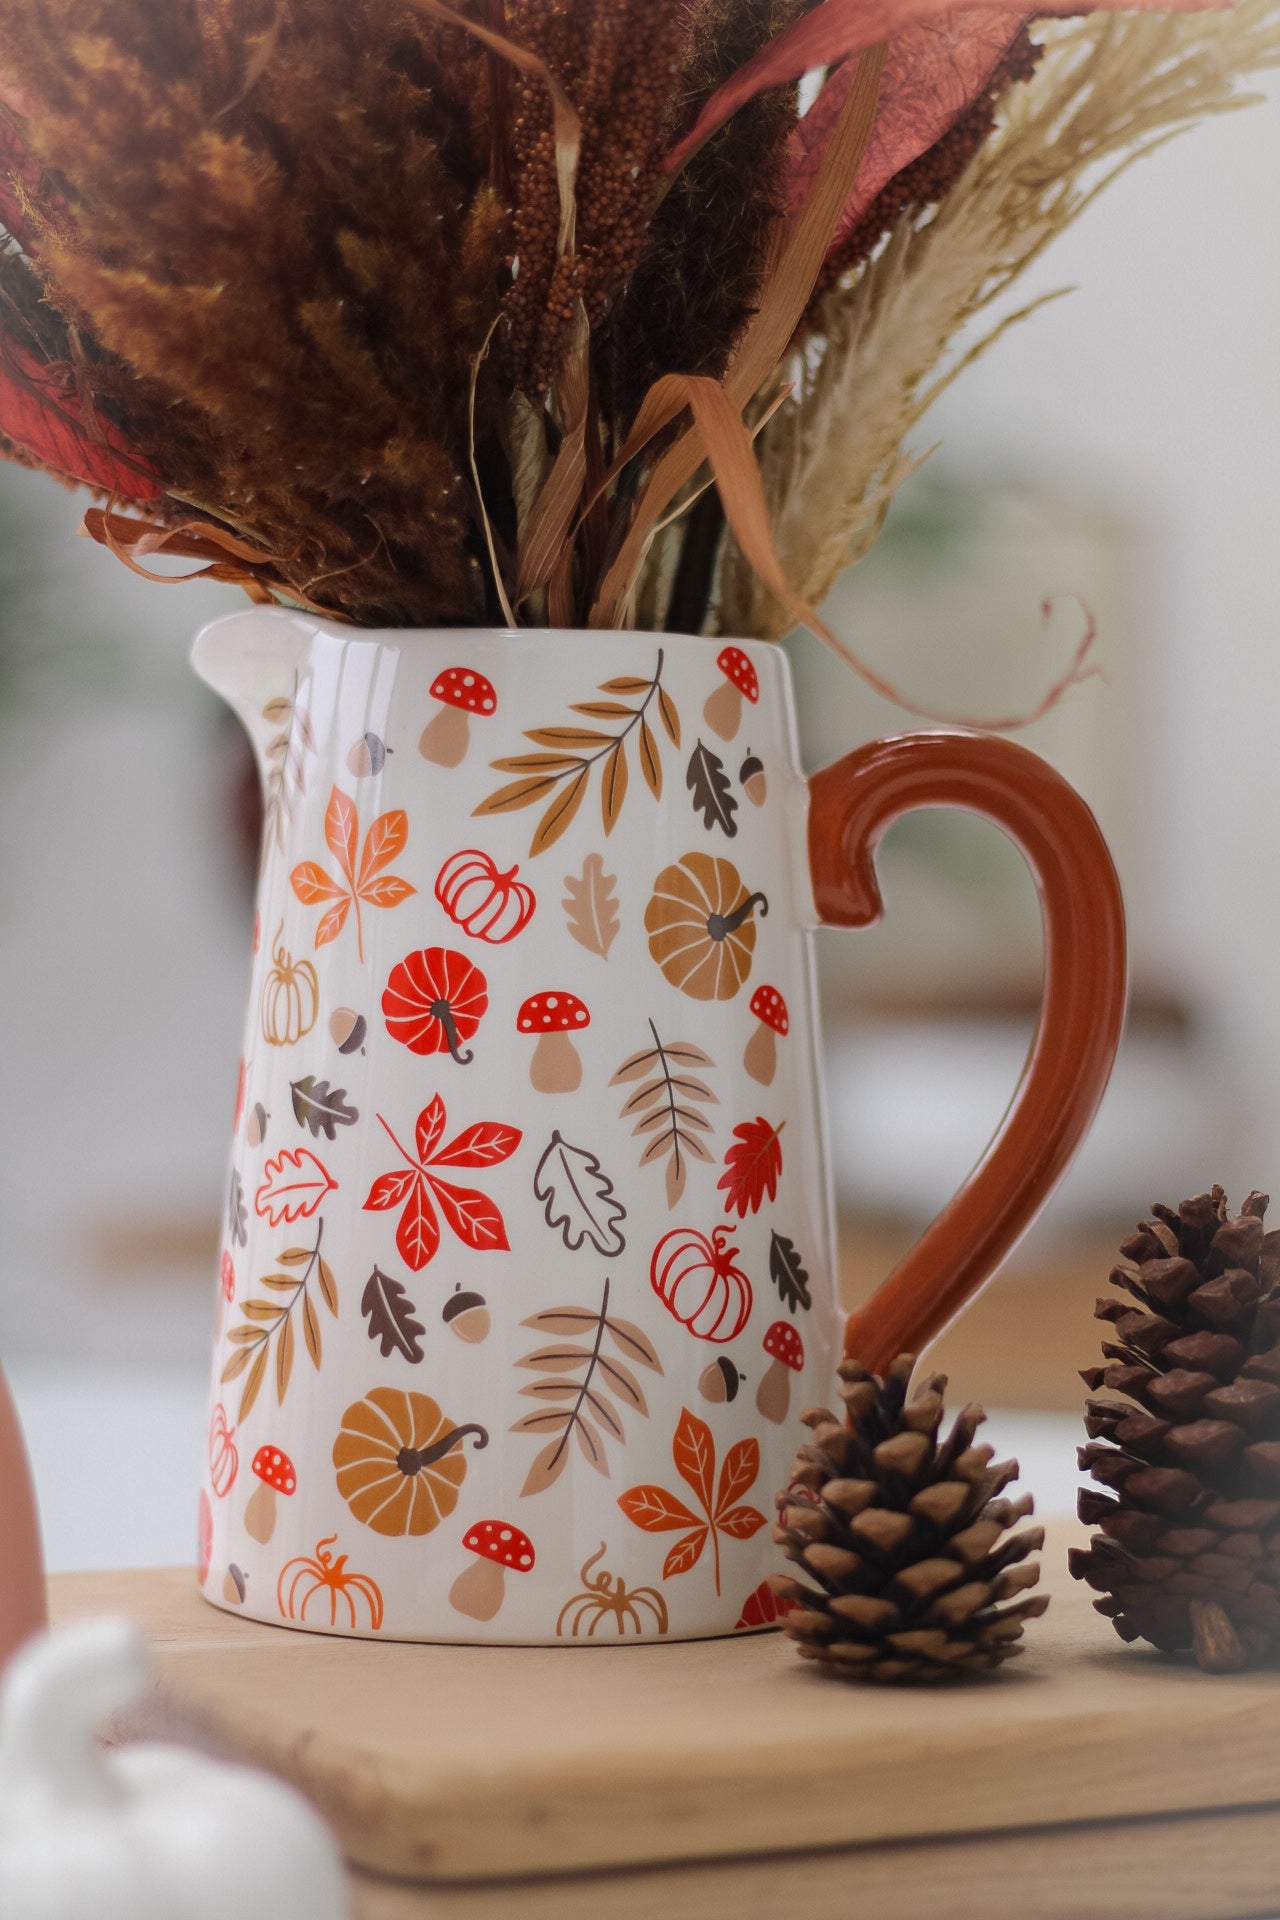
320, 1577
605, 1597
697, 1281
488, 904
700, 926
400, 1461
290, 997
224, 1455
434, 1001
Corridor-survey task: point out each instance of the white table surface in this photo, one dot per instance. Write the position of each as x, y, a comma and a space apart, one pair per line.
117, 1455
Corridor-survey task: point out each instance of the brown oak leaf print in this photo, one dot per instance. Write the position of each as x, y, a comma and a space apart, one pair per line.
361, 870
719, 1512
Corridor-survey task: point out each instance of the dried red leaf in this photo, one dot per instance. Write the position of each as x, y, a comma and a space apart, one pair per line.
935, 69
471, 1215
840, 28
41, 414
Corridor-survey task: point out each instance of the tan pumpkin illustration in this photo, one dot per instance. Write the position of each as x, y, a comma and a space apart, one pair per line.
290, 997
700, 928
400, 1461
605, 1597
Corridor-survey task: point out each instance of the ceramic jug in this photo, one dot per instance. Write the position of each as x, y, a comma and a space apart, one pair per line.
528, 1262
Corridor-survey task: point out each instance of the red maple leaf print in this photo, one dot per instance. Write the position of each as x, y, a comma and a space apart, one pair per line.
471, 1215
655, 1510
363, 881
752, 1165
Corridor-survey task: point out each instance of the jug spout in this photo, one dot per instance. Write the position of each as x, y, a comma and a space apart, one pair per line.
254, 660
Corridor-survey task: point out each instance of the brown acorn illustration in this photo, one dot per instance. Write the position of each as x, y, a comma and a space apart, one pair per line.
348, 1029
467, 1315
751, 775
720, 1381
369, 755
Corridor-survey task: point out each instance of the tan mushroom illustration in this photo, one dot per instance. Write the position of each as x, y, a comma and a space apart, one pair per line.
723, 711
461, 692
761, 1055
499, 1549
785, 1349
467, 1315
275, 1470
556, 1066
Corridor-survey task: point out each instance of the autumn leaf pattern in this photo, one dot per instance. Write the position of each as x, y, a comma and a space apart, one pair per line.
666, 1106
585, 1382
558, 776
591, 906
713, 798
720, 1507
295, 1186
270, 1318
419, 1192
362, 880
286, 757
787, 1271
320, 1107
752, 1166
390, 1313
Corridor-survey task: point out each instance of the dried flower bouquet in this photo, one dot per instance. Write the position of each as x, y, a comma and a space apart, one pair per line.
428, 313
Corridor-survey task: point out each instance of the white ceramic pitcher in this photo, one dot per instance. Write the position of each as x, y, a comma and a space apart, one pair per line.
528, 1260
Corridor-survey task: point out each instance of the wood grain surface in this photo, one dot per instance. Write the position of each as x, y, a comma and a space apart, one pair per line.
440, 1764
1207, 1867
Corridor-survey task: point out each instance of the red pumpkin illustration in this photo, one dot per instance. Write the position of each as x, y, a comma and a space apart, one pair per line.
696, 1280
487, 904
224, 1455
434, 1000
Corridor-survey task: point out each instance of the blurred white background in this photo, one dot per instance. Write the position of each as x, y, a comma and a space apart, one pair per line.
1123, 446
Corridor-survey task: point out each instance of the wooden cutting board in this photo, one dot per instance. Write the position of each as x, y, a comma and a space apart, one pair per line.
455, 1766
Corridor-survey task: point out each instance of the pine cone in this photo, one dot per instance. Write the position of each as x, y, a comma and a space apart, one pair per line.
1189, 1553
903, 1534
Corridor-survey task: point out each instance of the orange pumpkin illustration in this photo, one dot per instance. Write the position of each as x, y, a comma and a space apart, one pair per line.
696, 1280
485, 903
400, 1461
290, 997
700, 928
309, 1577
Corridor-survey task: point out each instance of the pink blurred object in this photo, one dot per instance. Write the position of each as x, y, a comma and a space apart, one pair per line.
22, 1591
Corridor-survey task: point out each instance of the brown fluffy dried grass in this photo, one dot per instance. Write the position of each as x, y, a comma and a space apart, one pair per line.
1110, 89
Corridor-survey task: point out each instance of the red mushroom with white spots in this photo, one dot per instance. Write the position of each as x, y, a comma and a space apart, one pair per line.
723, 711
785, 1349
760, 1056
275, 1470
556, 1066
499, 1549
461, 691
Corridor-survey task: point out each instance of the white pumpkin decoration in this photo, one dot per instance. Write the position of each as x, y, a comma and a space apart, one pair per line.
139, 1832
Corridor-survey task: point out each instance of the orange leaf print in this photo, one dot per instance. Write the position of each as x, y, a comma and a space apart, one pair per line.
657, 1511
741, 1470
695, 1455
368, 885
342, 831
